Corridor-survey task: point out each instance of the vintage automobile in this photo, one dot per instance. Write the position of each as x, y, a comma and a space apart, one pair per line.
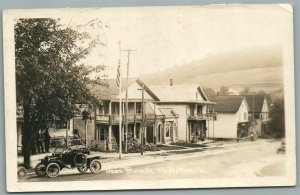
71, 157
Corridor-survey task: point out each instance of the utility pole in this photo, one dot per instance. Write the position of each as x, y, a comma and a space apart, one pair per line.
126, 97
143, 120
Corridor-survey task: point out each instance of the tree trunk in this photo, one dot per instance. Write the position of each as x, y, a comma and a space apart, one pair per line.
26, 138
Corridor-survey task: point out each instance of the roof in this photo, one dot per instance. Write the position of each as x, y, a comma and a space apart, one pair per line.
179, 93
168, 112
108, 89
255, 102
230, 104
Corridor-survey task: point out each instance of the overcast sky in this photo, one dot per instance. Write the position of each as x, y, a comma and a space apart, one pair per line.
168, 36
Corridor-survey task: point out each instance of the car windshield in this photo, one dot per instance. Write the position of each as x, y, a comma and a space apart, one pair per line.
60, 145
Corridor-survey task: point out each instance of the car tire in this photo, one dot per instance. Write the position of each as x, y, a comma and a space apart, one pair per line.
95, 166
52, 170
21, 172
40, 170
83, 169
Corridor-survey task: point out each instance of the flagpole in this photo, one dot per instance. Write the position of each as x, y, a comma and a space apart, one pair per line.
120, 105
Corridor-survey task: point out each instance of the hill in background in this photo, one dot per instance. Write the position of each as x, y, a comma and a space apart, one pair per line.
256, 68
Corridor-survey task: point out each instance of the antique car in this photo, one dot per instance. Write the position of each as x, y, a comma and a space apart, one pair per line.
70, 157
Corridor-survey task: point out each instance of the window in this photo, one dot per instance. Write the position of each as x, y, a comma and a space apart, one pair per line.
168, 129
61, 124
215, 116
192, 109
138, 108
103, 133
199, 109
245, 116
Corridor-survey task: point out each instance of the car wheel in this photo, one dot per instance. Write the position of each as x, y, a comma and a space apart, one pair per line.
52, 170
21, 172
95, 166
83, 169
40, 170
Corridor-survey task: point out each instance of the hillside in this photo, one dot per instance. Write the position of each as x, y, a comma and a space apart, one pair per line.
256, 68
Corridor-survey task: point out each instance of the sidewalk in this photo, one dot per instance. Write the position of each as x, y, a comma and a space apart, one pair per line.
112, 161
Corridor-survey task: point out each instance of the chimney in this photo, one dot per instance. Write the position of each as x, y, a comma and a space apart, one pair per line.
171, 82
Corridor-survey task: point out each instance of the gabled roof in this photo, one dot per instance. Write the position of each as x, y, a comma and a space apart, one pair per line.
179, 93
109, 89
255, 102
228, 104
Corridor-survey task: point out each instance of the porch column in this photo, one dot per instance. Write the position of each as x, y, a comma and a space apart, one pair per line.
189, 132
145, 135
173, 132
140, 133
163, 132
109, 137
134, 131
154, 133
109, 108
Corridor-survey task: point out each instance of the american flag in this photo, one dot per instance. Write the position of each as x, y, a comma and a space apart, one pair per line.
119, 75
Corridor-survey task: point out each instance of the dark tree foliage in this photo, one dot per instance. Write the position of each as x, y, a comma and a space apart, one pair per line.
277, 124
209, 92
50, 79
245, 91
224, 90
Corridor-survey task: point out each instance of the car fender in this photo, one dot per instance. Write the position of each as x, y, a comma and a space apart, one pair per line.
90, 158
61, 165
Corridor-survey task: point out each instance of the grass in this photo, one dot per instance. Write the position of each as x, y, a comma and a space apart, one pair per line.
190, 145
170, 147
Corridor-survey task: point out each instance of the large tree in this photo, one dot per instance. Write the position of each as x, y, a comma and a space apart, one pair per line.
50, 78
277, 116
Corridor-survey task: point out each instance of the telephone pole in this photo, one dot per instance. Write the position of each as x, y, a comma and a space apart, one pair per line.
126, 96
143, 120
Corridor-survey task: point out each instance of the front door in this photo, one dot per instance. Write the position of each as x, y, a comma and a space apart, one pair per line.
149, 134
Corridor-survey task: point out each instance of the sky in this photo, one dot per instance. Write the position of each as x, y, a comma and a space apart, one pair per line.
167, 36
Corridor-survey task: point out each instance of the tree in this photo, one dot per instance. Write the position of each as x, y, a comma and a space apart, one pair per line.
86, 115
209, 92
224, 90
245, 91
50, 80
277, 123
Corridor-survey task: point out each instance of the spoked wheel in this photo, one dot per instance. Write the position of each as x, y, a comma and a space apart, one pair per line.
83, 169
95, 166
40, 170
52, 170
21, 172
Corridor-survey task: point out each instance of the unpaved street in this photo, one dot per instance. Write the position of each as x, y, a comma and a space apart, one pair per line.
239, 160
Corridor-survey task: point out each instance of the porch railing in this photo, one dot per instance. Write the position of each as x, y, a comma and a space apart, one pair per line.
114, 118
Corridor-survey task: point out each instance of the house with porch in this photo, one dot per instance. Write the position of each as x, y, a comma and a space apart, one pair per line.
231, 117
259, 113
104, 133
185, 108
